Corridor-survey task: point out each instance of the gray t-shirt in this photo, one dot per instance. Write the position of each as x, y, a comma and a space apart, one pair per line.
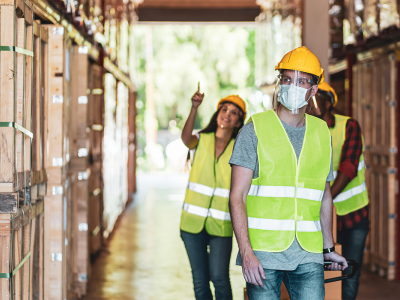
245, 155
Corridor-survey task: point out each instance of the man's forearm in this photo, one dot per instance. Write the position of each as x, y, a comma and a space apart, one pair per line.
238, 212
240, 185
326, 213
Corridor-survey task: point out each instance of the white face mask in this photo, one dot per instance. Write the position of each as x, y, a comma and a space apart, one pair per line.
292, 97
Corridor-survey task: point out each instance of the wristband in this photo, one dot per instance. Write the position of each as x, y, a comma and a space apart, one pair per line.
329, 250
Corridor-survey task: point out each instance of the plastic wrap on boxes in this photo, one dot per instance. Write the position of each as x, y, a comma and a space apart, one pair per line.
370, 18
336, 13
278, 30
358, 19
349, 28
388, 14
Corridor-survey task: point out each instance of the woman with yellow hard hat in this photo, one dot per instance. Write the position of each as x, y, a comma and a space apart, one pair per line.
206, 227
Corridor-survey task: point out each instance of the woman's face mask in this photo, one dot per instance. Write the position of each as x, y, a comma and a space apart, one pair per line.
292, 97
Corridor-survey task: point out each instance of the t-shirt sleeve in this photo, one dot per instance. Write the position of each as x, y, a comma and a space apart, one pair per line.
244, 152
331, 177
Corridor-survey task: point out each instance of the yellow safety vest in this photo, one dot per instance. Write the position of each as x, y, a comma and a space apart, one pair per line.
355, 195
285, 200
207, 194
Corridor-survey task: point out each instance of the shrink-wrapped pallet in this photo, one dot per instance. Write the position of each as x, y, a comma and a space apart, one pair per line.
388, 14
371, 18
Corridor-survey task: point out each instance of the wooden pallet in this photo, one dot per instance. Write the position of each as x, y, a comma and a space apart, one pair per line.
374, 94
16, 38
20, 236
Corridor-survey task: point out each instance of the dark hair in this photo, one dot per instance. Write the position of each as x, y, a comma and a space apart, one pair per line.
213, 125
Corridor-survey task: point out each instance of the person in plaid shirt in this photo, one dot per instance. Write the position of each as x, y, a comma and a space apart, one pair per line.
348, 189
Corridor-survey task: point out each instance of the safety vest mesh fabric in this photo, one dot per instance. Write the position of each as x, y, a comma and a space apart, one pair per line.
355, 195
207, 195
285, 200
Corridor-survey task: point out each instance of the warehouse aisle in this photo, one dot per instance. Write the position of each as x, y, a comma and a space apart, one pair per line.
146, 259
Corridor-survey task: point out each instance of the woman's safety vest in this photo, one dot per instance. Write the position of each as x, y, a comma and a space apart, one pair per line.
285, 200
355, 195
207, 194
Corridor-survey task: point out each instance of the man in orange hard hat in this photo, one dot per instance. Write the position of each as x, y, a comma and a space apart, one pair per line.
280, 200
348, 190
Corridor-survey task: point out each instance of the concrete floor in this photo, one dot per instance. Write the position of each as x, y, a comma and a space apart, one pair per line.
146, 259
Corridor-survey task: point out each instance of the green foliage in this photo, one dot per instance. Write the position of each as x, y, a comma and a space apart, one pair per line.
220, 57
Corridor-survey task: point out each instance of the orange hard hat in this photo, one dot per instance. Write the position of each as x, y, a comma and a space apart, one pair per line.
303, 60
235, 99
324, 86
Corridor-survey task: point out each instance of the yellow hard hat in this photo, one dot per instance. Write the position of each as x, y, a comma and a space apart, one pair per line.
303, 60
235, 99
324, 86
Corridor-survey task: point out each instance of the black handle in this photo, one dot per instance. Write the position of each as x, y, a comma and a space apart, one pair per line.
354, 268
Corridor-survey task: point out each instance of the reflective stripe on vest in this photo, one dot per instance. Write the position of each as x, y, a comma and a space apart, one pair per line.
219, 214
195, 210
201, 189
285, 192
355, 195
284, 202
208, 191
284, 225
361, 166
350, 193
204, 212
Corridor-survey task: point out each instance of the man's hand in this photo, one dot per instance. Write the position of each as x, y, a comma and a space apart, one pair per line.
339, 262
252, 269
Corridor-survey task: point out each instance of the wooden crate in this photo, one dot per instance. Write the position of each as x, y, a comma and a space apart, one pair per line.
95, 112
37, 251
54, 257
374, 106
16, 38
95, 212
79, 142
68, 253
79, 167
54, 242
132, 144
95, 136
15, 243
39, 104
116, 151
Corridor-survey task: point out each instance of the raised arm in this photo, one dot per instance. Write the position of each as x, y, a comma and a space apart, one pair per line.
188, 138
240, 185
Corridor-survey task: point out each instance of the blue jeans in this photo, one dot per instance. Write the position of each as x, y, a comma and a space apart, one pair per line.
353, 244
304, 283
212, 264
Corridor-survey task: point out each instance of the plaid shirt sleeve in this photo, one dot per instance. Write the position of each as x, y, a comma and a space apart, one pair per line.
351, 152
